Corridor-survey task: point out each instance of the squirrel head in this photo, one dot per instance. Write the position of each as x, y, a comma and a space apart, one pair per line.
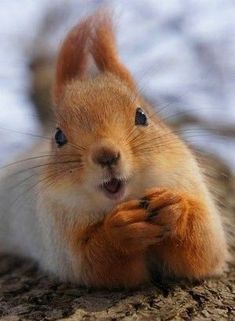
109, 143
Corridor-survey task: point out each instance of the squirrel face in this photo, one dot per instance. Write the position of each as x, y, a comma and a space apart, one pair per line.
108, 139
108, 131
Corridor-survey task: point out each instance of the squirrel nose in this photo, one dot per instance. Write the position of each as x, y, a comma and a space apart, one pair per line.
105, 156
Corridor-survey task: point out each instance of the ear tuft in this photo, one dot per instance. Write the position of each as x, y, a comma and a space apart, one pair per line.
73, 57
95, 36
104, 49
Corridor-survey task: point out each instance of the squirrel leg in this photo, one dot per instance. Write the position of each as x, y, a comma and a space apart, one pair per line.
113, 252
193, 245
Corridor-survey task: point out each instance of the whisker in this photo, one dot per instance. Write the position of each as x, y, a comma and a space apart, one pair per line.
158, 111
41, 137
207, 130
29, 189
188, 112
46, 164
63, 118
24, 133
53, 174
21, 182
32, 158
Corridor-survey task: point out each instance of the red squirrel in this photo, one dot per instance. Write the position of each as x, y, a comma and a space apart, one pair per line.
119, 194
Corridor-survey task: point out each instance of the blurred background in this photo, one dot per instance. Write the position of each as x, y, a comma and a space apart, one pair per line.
181, 52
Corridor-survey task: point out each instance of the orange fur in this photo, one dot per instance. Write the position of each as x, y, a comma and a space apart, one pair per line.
174, 224
73, 58
104, 264
94, 35
164, 225
104, 50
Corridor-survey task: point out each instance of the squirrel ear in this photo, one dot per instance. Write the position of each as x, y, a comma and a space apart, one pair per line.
103, 48
93, 35
72, 58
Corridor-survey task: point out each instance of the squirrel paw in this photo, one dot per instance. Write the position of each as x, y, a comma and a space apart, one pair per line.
131, 226
166, 208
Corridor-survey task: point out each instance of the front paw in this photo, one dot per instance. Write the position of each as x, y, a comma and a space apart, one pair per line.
167, 208
130, 229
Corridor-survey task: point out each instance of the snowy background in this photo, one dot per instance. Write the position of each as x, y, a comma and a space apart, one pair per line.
181, 52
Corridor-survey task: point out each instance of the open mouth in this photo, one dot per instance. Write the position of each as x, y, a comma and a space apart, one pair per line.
114, 188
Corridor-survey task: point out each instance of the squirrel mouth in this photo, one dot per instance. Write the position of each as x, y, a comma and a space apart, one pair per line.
114, 188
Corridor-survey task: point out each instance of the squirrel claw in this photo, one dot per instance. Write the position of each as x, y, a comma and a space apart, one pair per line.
144, 203
152, 214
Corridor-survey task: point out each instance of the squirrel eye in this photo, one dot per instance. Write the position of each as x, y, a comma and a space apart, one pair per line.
60, 138
140, 117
